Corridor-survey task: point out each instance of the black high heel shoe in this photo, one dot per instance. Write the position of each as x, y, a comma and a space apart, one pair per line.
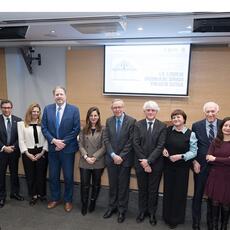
33, 201
42, 198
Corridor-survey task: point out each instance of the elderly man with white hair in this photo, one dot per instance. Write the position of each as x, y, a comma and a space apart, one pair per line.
149, 140
206, 131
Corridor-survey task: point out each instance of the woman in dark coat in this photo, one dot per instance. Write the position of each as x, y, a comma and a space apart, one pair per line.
180, 147
218, 184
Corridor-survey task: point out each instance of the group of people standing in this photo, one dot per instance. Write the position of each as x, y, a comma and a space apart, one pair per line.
148, 145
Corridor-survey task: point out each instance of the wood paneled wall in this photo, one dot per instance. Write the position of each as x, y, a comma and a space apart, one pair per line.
209, 75
209, 81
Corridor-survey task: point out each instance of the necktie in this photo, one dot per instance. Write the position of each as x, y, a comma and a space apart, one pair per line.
150, 126
149, 137
58, 119
8, 130
211, 132
118, 126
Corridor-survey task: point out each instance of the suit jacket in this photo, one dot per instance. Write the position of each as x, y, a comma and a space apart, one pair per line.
68, 130
92, 146
125, 146
26, 137
203, 143
14, 133
154, 157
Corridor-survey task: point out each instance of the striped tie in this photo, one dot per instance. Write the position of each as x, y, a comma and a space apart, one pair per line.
211, 133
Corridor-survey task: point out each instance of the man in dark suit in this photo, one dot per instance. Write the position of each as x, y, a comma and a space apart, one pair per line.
60, 126
9, 151
149, 139
205, 136
118, 138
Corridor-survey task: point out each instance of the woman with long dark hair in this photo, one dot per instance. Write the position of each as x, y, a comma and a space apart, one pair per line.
91, 163
218, 184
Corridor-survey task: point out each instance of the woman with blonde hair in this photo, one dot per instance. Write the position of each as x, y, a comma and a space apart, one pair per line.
33, 147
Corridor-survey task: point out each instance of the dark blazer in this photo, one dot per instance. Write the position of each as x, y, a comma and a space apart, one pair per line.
68, 130
125, 146
203, 143
14, 133
93, 146
155, 157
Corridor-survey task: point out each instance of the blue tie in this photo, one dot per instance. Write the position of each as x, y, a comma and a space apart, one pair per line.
58, 121
118, 126
211, 133
118, 129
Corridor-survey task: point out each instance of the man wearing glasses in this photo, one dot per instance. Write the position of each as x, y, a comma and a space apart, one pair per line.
9, 152
118, 138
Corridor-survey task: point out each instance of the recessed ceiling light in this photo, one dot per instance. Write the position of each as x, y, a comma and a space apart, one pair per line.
52, 31
184, 32
112, 34
140, 28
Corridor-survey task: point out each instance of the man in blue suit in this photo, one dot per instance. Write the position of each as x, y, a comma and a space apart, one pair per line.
60, 126
205, 136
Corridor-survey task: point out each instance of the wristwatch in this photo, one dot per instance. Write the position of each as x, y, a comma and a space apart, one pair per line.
182, 156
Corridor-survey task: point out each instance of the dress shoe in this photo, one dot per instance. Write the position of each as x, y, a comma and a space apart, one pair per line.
152, 220
121, 217
196, 226
2, 203
172, 226
53, 204
92, 205
109, 213
84, 209
140, 217
42, 198
16, 197
68, 206
33, 201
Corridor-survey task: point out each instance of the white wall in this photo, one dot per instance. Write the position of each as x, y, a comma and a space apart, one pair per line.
24, 88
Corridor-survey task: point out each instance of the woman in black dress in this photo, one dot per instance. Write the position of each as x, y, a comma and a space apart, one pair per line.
180, 147
218, 184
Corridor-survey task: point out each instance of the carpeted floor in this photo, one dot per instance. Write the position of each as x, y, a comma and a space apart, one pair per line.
16, 215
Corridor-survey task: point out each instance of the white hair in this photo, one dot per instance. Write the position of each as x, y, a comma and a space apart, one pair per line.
211, 104
151, 105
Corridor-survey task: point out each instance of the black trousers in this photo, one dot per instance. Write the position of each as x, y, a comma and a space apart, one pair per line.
35, 172
91, 176
199, 186
119, 178
175, 193
11, 160
148, 186
87, 177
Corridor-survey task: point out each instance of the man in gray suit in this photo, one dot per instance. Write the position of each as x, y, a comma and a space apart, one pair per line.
118, 138
149, 139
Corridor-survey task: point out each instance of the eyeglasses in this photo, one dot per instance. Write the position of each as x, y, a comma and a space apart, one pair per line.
6, 108
117, 107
